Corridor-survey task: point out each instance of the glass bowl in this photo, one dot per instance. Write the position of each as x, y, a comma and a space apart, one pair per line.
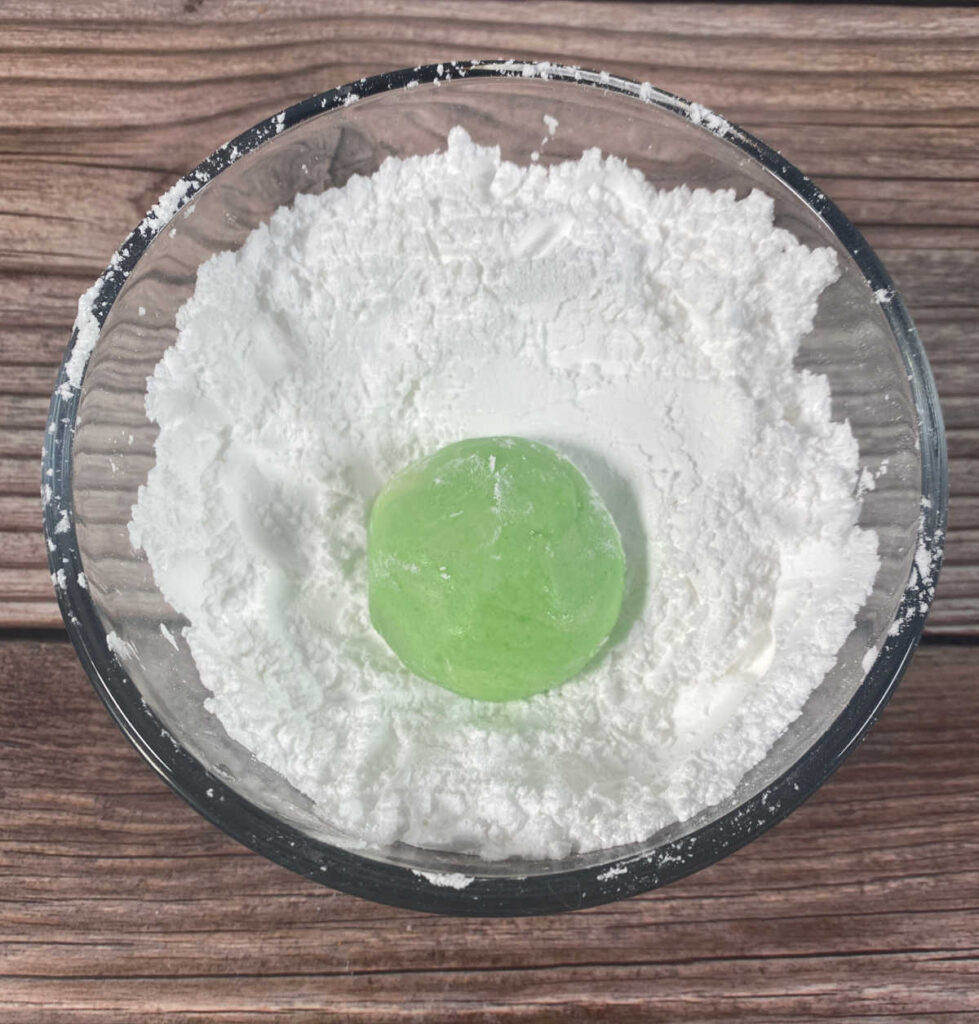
99, 449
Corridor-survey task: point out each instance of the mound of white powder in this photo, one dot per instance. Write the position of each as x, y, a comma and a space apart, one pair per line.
647, 335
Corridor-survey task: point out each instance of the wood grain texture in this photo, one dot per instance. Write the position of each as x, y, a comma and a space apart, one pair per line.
118, 903
104, 104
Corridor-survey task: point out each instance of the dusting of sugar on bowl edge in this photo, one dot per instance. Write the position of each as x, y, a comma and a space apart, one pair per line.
445, 879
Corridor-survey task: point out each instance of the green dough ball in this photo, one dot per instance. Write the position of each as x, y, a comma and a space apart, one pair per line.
494, 568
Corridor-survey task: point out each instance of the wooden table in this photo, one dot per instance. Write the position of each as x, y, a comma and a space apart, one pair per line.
118, 903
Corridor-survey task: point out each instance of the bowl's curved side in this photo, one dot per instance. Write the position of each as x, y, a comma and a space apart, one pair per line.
450, 893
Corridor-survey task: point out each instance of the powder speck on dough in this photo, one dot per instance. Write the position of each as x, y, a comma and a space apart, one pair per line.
650, 337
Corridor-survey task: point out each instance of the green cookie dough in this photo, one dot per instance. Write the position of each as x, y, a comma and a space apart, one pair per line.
494, 568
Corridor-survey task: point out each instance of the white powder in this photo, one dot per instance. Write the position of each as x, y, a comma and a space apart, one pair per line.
714, 122
122, 649
650, 337
169, 637
166, 206
88, 328
445, 879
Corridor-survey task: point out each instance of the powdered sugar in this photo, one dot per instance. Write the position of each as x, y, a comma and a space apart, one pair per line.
169, 637
700, 114
446, 879
648, 336
122, 649
924, 573
87, 324
166, 206
88, 327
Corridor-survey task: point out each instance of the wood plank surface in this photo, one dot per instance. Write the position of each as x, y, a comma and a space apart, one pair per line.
103, 104
119, 903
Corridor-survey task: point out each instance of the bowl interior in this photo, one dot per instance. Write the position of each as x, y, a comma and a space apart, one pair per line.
852, 344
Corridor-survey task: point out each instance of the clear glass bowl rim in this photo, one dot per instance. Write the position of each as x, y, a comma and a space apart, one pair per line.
493, 895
